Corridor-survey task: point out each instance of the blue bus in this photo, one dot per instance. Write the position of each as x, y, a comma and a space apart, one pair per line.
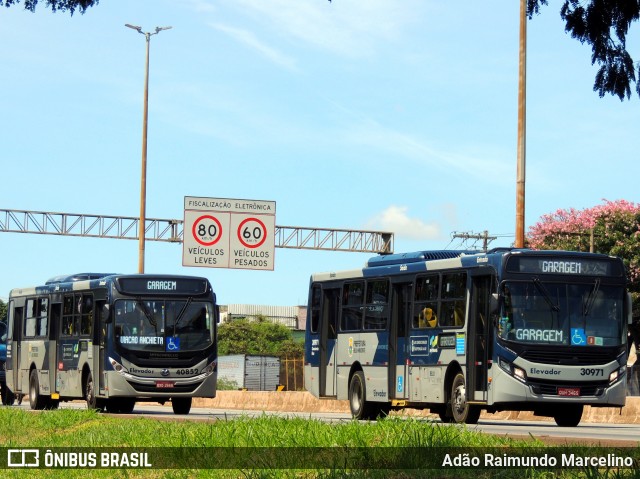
113, 340
459, 332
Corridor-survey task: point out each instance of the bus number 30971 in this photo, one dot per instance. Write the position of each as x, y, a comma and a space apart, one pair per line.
591, 372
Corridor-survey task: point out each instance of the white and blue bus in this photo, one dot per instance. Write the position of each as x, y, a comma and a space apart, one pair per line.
113, 340
460, 332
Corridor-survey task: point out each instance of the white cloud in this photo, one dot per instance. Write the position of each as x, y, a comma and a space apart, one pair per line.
396, 220
347, 27
249, 39
368, 132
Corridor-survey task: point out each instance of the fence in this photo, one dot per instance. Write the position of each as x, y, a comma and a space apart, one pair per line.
292, 374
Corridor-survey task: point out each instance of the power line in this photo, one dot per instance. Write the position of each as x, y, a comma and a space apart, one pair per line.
484, 237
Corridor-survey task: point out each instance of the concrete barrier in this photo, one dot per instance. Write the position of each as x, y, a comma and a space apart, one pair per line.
293, 401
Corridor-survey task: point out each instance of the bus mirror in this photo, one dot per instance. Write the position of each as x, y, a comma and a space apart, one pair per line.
217, 314
629, 308
105, 313
493, 303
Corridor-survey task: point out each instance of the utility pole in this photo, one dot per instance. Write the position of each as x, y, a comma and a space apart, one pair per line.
484, 236
143, 181
522, 127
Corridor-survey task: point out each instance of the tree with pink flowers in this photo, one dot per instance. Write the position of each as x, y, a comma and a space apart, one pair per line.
612, 227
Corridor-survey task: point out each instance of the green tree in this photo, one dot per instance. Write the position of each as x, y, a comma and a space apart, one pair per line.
613, 228
3, 311
604, 25
260, 337
56, 5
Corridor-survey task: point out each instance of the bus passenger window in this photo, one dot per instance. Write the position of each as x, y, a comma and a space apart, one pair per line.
427, 318
86, 317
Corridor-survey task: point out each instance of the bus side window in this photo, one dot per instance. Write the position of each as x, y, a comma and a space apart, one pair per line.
86, 314
30, 319
68, 326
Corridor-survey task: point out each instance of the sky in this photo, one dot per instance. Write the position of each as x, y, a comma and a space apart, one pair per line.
381, 115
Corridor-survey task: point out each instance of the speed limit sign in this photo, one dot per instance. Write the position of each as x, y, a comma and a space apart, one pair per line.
204, 242
252, 241
229, 233
252, 233
207, 230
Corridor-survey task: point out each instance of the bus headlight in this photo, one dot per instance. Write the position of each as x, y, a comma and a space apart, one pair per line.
207, 371
519, 373
117, 367
512, 370
617, 374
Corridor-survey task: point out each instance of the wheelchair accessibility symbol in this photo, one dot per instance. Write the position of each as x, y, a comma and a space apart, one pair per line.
578, 337
173, 344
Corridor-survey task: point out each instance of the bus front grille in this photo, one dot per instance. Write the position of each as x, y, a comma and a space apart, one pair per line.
568, 357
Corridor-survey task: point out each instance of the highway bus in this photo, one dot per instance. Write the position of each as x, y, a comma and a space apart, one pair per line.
459, 332
113, 340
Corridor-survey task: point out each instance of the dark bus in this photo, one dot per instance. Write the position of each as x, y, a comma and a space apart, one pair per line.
113, 340
460, 332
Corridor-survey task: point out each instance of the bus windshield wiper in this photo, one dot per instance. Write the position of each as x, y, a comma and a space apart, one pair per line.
146, 312
181, 313
586, 307
545, 294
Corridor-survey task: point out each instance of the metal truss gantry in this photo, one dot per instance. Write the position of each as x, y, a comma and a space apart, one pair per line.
125, 227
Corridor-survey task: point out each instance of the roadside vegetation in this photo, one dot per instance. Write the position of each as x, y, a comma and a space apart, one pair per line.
275, 447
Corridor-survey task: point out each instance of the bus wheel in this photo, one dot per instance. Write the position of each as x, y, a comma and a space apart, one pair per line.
7, 395
569, 415
181, 405
90, 395
360, 408
121, 405
36, 401
461, 410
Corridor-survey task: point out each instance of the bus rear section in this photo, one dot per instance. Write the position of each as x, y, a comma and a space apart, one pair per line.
114, 340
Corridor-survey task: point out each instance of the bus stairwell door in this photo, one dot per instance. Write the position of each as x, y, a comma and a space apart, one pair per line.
479, 342
16, 348
328, 337
400, 317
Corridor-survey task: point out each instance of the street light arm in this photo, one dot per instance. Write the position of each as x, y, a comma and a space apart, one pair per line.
139, 29
159, 29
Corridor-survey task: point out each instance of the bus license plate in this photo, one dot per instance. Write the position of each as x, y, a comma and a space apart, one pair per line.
569, 392
164, 384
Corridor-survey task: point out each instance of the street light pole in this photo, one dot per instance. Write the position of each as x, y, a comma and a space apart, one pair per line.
143, 181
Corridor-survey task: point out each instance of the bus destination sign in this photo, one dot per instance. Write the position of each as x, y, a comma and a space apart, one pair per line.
161, 285
566, 266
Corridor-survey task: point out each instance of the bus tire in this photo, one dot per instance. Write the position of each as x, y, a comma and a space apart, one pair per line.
121, 405
461, 410
8, 397
569, 415
36, 401
181, 405
360, 407
93, 402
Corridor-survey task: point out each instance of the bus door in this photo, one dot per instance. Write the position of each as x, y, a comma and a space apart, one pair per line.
16, 347
480, 337
328, 336
400, 317
54, 328
99, 338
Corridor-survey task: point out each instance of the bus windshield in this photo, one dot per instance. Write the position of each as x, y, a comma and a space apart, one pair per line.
160, 325
571, 314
